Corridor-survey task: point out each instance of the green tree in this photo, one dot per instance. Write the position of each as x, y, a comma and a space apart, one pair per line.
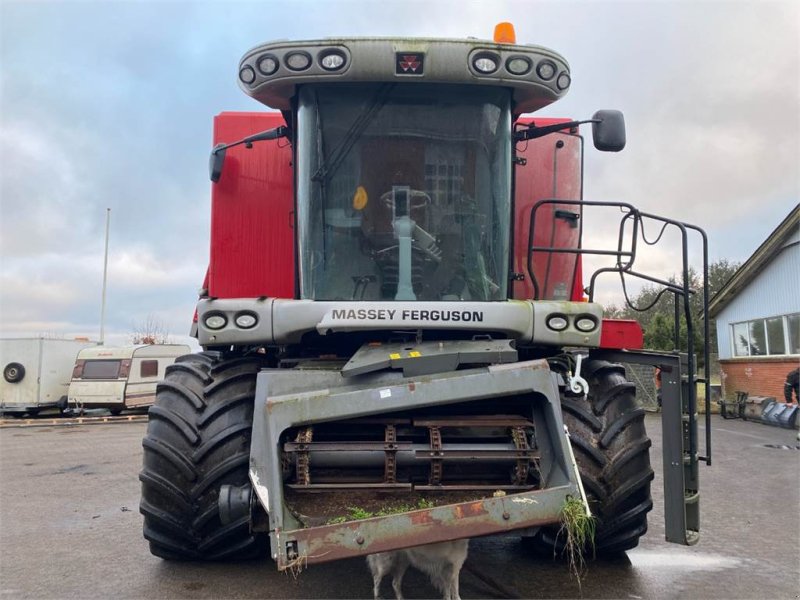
654, 309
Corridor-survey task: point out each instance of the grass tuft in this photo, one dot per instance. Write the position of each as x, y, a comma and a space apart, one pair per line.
357, 513
579, 529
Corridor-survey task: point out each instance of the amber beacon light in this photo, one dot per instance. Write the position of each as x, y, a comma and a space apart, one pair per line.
504, 33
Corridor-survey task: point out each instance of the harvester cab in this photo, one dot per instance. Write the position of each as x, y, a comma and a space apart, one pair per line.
391, 358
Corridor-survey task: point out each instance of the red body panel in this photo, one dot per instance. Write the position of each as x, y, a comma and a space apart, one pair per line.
553, 170
252, 241
621, 334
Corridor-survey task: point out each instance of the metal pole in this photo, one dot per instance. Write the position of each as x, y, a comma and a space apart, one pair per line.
105, 277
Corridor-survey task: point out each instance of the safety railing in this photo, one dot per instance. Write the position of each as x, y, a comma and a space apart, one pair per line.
631, 235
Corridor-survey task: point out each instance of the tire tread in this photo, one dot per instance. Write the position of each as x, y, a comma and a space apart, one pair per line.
198, 439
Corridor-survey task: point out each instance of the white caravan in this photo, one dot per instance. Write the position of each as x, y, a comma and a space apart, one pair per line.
36, 373
120, 378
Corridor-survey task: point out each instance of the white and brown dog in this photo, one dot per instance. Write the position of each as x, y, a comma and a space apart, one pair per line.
442, 562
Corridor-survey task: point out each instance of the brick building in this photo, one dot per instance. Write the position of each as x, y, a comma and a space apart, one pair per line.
758, 316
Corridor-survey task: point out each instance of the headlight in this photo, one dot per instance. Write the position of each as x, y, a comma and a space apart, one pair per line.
563, 81
333, 60
298, 61
267, 64
215, 321
546, 70
586, 324
557, 322
247, 75
485, 63
246, 320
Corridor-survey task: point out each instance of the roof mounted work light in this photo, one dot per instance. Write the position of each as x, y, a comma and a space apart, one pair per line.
332, 60
485, 63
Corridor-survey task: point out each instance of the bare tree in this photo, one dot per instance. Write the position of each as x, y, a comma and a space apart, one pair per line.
150, 331
51, 334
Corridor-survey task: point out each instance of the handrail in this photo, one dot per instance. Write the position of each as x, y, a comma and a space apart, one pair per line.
625, 254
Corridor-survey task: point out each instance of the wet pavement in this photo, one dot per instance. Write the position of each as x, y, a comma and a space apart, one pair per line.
70, 527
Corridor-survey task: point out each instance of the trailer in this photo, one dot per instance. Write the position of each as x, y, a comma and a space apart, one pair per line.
395, 318
36, 373
122, 377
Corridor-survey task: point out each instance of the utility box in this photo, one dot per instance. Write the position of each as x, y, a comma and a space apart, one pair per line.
36, 373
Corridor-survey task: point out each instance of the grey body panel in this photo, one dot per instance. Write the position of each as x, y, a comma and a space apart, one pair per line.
429, 357
284, 321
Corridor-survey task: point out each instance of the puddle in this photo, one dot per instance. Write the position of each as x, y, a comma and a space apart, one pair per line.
649, 559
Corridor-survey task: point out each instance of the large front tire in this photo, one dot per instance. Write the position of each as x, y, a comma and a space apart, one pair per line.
612, 451
198, 439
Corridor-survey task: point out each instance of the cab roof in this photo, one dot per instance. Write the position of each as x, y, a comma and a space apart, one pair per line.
270, 73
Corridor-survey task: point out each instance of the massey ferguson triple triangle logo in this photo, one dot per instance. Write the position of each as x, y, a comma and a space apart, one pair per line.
408, 63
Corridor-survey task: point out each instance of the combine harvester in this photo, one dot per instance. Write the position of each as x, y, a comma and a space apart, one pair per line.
394, 320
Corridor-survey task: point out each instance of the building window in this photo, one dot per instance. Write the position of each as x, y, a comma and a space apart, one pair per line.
741, 343
793, 325
775, 336
149, 368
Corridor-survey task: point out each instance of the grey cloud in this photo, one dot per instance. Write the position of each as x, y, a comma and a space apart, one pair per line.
111, 105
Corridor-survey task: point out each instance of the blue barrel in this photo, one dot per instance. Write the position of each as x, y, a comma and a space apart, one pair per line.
788, 417
771, 408
775, 414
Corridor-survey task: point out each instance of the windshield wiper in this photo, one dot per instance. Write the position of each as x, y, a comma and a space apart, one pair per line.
338, 154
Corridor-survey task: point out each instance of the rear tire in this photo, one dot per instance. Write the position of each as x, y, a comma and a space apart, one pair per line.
198, 439
612, 451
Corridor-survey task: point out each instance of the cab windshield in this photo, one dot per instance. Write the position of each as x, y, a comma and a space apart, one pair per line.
403, 192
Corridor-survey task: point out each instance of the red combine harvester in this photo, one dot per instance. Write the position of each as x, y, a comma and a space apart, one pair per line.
394, 319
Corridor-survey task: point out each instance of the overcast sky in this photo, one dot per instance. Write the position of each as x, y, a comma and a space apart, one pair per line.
110, 104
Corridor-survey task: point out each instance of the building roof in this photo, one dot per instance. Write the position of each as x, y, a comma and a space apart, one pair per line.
754, 265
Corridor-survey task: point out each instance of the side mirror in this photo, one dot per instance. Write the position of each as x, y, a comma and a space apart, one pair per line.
215, 162
608, 132
217, 158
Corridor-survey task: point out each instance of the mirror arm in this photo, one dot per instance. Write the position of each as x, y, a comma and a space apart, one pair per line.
536, 132
270, 134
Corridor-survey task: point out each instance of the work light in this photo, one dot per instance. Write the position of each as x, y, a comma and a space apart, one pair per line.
485, 63
333, 60
518, 65
546, 70
298, 61
247, 75
267, 64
